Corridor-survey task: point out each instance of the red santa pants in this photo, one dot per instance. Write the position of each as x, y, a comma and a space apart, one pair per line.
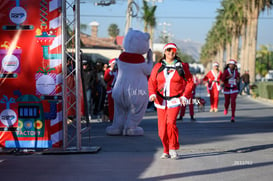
111, 106
167, 129
231, 98
191, 107
214, 98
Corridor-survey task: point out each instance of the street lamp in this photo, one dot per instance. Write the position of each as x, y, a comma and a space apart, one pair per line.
132, 10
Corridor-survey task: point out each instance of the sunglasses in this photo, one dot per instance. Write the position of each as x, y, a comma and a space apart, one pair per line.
171, 49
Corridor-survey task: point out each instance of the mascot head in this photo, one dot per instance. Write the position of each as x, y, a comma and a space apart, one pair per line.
136, 41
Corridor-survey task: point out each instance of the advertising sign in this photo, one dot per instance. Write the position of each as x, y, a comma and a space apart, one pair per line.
30, 74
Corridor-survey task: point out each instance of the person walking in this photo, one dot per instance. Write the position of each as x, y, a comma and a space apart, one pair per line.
100, 88
231, 78
88, 77
110, 77
213, 78
170, 85
245, 83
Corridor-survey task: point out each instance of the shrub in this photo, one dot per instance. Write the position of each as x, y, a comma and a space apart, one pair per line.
265, 90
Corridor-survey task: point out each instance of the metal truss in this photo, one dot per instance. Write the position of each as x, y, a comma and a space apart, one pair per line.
72, 131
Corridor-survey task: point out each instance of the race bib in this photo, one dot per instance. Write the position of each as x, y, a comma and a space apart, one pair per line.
174, 102
232, 81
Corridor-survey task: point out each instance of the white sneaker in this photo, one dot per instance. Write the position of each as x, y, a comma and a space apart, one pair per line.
165, 156
174, 155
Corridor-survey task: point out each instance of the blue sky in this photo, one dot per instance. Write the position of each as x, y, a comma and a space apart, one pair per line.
186, 19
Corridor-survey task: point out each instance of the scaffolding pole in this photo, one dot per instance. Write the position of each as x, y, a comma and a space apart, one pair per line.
72, 132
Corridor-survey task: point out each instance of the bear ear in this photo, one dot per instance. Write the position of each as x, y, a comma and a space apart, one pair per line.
147, 36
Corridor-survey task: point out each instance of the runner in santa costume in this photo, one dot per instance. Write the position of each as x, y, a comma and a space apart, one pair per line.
170, 85
213, 78
231, 77
109, 77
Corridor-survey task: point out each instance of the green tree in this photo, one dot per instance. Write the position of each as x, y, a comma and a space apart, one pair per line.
113, 30
83, 27
185, 57
264, 60
149, 19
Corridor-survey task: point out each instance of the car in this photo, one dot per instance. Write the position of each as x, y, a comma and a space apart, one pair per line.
269, 76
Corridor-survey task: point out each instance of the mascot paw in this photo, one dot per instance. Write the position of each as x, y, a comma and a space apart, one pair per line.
138, 131
110, 130
150, 56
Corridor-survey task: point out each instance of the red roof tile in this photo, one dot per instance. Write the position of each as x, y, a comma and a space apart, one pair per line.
97, 42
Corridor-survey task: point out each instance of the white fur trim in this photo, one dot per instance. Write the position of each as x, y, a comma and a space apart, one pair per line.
215, 64
231, 92
153, 95
232, 62
183, 100
169, 45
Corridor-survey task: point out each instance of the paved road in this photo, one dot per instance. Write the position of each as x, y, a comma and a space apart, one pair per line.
212, 149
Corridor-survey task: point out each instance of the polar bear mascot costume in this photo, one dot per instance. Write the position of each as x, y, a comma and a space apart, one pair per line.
130, 92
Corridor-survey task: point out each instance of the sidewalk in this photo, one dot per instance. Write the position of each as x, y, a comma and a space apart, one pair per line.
263, 100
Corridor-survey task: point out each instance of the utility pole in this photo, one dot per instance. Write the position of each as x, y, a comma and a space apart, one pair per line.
128, 16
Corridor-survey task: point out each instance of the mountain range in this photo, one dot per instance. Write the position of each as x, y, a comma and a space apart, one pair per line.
190, 47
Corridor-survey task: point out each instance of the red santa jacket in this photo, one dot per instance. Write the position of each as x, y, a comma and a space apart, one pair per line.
230, 83
109, 77
168, 86
213, 79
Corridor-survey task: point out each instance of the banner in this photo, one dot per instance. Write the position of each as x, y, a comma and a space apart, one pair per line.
30, 74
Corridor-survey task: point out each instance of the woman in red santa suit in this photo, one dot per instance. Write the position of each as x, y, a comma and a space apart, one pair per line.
170, 85
213, 78
231, 77
109, 77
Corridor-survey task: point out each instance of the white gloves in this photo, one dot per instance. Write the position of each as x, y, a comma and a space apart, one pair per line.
183, 100
152, 97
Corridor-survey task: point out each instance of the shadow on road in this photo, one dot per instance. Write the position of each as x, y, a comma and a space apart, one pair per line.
208, 171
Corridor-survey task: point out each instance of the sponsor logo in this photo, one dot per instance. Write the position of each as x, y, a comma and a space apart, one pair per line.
18, 15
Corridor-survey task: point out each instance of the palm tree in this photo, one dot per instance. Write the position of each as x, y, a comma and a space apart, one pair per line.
209, 49
253, 9
215, 43
221, 38
240, 19
149, 19
233, 20
243, 36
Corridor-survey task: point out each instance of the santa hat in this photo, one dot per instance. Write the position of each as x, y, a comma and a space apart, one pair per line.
232, 61
216, 64
169, 45
112, 61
